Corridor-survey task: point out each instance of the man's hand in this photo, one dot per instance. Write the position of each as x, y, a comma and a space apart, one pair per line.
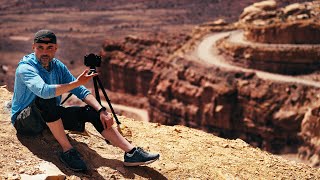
84, 77
81, 80
106, 119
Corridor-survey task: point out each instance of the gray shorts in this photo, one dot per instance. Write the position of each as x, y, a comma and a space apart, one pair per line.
29, 121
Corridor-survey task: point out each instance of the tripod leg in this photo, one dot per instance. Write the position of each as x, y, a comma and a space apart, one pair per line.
96, 90
69, 95
107, 99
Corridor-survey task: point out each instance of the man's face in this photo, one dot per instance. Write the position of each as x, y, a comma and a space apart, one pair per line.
45, 52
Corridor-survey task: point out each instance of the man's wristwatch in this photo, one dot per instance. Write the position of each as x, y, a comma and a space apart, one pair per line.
102, 109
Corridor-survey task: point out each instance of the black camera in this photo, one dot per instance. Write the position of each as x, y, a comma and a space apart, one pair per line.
92, 60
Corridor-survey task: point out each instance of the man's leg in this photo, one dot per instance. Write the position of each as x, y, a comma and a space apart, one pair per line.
134, 156
57, 130
117, 139
51, 114
112, 134
74, 118
30, 121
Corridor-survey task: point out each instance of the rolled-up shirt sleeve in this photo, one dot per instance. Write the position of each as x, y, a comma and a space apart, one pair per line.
35, 83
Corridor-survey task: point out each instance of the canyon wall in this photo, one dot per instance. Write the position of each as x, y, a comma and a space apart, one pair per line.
129, 65
231, 104
290, 59
272, 115
297, 32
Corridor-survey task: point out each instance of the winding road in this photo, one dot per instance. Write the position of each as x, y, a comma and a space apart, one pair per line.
208, 53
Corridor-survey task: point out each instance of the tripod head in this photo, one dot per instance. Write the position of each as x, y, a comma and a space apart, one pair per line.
93, 69
92, 61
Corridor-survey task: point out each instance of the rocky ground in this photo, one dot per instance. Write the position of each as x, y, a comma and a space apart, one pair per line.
185, 154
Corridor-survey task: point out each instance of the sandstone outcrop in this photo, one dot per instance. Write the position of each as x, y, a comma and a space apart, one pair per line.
129, 65
310, 133
279, 40
290, 59
233, 104
293, 24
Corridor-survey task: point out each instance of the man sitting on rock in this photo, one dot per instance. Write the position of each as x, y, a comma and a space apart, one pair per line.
40, 81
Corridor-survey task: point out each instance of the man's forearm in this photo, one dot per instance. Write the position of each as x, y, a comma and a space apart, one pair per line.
82, 79
92, 101
63, 88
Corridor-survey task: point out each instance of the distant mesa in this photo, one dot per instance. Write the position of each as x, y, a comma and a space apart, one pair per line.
279, 40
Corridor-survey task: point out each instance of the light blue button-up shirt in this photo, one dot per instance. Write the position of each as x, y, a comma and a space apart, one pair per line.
33, 80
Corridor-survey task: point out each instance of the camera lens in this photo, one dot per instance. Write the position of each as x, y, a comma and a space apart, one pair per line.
92, 60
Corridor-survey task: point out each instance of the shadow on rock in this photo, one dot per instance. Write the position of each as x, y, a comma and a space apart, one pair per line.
146, 172
46, 147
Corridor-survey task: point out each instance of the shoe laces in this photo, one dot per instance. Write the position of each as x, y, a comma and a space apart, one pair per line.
141, 150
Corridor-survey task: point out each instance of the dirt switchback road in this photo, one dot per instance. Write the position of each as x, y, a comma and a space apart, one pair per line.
207, 52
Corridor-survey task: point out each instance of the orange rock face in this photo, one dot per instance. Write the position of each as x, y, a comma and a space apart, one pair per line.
232, 104
278, 40
293, 24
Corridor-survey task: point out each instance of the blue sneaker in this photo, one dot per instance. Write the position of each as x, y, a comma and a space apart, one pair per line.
139, 157
72, 160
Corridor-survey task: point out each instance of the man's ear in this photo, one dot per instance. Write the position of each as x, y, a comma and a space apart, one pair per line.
33, 46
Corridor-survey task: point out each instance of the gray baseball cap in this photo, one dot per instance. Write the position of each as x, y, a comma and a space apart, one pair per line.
45, 36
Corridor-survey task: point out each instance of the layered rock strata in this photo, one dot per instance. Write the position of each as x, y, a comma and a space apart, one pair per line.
279, 40
267, 114
129, 65
296, 23
232, 104
292, 59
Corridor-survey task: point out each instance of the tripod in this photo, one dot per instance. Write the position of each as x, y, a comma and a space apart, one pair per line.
97, 83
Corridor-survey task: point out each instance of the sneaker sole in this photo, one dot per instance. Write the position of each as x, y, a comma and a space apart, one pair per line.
73, 169
139, 163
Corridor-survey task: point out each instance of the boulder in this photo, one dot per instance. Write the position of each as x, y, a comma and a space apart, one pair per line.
311, 135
